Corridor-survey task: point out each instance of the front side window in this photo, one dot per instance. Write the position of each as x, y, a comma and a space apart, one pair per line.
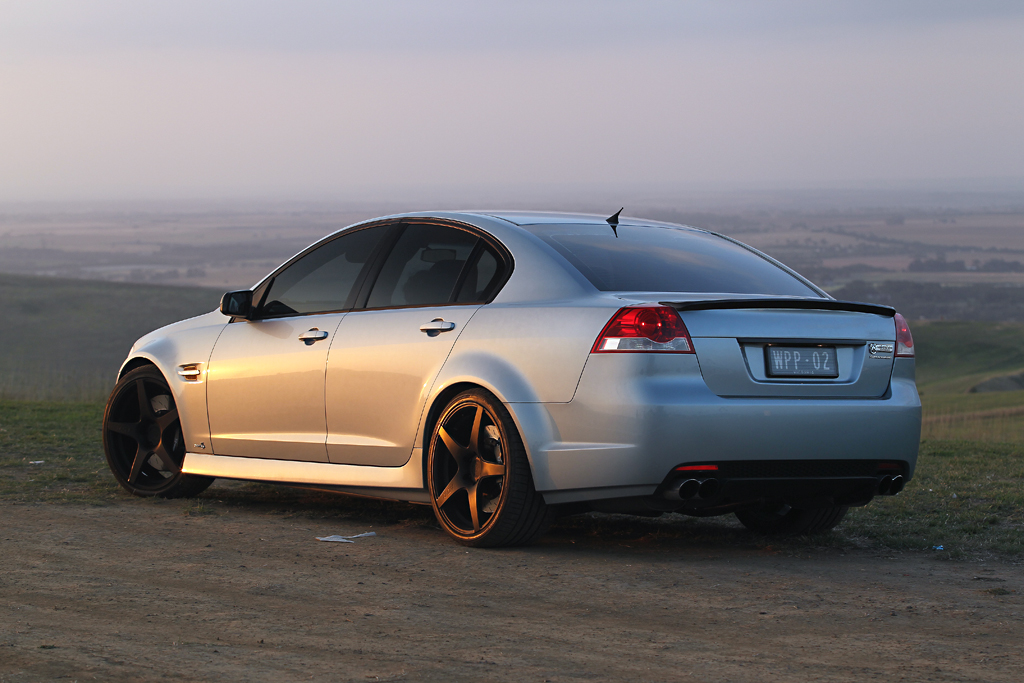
322, 280
423, 267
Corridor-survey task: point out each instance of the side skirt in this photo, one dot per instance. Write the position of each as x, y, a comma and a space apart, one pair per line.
394, 483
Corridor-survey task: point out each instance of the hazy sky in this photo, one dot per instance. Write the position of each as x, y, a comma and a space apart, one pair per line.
137, 99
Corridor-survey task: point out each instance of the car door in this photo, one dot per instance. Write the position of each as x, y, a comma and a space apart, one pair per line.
384, 358
265, 388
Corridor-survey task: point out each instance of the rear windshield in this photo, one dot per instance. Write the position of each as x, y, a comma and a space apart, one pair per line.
651, 259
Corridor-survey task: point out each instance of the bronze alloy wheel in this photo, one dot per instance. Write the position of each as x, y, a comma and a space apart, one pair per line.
479, 476
143, 440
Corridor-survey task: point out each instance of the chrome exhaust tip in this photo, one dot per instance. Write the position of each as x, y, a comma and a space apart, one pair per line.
884, 486
896, 485
689, 488
683, 490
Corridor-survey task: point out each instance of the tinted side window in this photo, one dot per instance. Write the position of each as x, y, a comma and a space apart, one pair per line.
483, 275
323, 279
423, 267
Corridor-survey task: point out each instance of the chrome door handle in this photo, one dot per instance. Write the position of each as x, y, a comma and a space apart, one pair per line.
312, 335
437, 326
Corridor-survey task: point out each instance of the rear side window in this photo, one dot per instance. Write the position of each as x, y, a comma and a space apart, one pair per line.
323, 279
483, 276
423, 267
650, 259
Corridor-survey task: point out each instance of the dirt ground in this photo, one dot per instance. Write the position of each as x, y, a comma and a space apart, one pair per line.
140, 591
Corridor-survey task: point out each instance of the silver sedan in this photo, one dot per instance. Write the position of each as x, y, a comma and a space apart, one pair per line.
508, 367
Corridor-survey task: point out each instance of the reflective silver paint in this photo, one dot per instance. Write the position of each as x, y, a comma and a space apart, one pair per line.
595, 426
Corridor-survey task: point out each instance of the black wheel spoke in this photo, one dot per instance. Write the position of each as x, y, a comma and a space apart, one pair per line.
168, 460
167, 419
141, 456
130, 429
145, 407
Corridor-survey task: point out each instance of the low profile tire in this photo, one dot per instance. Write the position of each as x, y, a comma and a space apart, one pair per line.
143, 440
479, 476
781, 520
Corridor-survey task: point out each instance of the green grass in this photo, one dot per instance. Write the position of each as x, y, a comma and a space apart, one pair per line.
954, 356
64, 339
967, 497
986, 516
66, 438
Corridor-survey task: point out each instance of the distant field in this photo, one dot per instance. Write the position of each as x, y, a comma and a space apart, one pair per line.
65, 339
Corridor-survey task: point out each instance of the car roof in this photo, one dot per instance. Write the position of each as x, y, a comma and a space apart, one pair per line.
523, 218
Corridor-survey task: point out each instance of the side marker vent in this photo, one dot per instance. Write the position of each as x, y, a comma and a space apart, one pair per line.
190, 372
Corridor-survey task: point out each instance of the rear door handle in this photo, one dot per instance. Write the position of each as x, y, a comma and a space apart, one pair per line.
312, 335
437, 326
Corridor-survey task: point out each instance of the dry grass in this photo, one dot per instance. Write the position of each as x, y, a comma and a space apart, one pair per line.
996, 417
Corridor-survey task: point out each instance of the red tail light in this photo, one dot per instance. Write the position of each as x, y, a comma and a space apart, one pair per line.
904, 340
644, 329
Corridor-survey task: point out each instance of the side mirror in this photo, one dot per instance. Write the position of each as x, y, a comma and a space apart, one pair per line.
237, 304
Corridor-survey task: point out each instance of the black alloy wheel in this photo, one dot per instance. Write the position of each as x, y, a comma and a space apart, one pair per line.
143, 439
779, 519
479, 475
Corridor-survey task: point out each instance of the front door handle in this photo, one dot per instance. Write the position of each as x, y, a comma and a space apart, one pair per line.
437, 326
312, 335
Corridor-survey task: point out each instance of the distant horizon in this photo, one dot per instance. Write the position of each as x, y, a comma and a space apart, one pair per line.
1006, 194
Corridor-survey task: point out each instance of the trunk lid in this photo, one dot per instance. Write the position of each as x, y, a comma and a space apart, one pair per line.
734, 338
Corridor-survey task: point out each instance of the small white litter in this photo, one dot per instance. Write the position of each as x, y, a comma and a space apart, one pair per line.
345, 539
36, 462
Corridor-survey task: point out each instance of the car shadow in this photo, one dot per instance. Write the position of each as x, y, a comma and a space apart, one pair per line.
593, 531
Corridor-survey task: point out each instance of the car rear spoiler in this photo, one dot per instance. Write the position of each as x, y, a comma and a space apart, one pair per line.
802, 304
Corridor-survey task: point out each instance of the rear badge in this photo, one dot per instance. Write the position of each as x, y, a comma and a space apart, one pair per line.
881, 350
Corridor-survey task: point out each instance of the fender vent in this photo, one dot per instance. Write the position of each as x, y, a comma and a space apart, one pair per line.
190, 372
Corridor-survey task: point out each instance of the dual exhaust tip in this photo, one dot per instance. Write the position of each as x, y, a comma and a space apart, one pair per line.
689, 489
890, 485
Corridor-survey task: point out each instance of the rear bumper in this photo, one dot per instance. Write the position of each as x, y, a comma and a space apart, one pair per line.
635, 417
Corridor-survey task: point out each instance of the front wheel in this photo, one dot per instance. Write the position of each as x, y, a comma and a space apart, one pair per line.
479, 476
143, 440
780, 519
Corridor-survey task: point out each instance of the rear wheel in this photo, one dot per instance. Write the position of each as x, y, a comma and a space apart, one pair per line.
143, 440
479, 476
779, 519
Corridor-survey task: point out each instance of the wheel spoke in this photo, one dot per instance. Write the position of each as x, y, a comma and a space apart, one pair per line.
145, 407
491, 469
474, 434
167, 419
127, 428
458, 452
474, 509
453, 486
168, 460
141, 456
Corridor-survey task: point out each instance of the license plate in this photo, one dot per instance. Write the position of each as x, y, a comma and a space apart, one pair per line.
801, 361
